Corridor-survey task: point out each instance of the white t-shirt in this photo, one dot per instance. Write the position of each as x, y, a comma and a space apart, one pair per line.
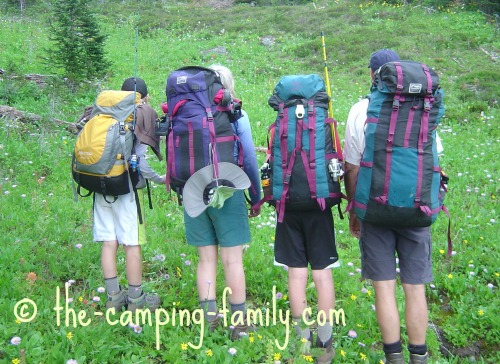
354, 143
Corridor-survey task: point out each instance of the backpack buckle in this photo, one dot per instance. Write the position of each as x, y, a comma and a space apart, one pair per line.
395, 104
300, 111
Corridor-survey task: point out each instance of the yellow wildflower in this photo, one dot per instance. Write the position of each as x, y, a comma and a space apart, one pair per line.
209, 352
363, 356
450, 276
80, 299
69, 335
497, 274
251, 338
184, 346
276, 356
285, 297
353, 297
259, 336
342, 353
441, 251
308, 358
480, 312
15, 361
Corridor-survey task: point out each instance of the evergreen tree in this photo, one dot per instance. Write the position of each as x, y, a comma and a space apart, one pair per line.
78, 43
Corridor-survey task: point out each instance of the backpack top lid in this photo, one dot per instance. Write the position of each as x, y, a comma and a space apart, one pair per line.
117, 104
409, 77
299, 86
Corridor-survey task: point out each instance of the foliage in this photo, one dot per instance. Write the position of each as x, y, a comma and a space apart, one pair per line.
78, 45
46, 236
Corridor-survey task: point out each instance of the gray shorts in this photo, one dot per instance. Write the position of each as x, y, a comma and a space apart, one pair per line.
379, 246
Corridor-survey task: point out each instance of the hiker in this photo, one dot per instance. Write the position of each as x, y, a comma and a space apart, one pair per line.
304, 234
225, 230
117, 223
379, 244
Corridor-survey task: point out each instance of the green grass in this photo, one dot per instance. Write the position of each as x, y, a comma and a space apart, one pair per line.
46, 233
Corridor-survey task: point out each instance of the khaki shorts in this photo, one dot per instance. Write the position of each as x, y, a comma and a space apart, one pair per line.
119, 220
379, 246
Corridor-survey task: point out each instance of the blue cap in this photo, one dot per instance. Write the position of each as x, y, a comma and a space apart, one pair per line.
381, 57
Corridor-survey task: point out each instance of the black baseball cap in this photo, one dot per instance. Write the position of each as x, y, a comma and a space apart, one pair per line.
135, 84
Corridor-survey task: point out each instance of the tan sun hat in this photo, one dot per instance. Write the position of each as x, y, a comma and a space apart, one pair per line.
203, 190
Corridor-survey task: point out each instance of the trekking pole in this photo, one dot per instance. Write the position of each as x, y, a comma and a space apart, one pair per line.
330, 105
327, 79
135, 67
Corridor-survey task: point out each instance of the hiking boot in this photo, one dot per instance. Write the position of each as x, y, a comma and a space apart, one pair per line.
327, 352
117, 301
394, 358
306, 345
418, 359
148, 301
213, 324
241, 330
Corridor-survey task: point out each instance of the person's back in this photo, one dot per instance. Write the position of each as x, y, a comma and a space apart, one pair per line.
122, 222
224, 231
304, 233
379, 244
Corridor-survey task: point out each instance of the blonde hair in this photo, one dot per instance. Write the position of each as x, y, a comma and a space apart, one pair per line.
226, 77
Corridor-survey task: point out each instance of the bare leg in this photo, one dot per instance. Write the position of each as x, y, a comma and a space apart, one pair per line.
387, 310
323, 280
297, 282
108, 259
206, 272
232, 260
416, 314
133, 260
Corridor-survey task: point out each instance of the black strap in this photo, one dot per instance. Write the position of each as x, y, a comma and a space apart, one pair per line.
138, 204
149, 195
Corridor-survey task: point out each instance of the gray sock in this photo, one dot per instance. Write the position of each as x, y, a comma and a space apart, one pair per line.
112, 286
301, 328
134, 291
325, 332
209, 307
236, 307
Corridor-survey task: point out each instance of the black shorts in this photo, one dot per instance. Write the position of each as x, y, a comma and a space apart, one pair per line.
306, 237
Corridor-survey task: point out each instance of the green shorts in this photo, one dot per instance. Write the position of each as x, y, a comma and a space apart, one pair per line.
227, 226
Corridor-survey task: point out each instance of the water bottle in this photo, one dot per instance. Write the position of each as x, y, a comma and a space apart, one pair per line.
265, 179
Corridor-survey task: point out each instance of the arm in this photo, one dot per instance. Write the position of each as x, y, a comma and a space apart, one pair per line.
146, 170
350, 179
244, 133
353, 150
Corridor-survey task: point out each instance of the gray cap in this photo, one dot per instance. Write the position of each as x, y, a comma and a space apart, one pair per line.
203, 190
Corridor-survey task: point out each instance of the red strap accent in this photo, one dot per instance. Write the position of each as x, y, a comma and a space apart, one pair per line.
170, 159
191, 147
409, 125
311, 171
177, 106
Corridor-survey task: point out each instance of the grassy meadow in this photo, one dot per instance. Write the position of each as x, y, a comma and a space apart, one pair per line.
49, 262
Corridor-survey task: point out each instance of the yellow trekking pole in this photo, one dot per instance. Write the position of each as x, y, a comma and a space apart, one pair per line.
335, 138
327, 79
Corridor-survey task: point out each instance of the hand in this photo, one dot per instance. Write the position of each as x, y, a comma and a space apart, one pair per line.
254, 212
164, 179
354, 227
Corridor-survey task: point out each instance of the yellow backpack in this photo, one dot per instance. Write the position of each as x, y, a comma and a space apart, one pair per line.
103, 149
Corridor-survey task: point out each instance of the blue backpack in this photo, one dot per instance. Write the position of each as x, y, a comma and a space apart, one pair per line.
199, 117
303, 168
400, 182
